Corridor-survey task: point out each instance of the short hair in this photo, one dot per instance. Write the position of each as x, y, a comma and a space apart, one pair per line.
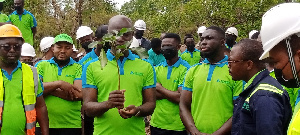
101, 31
187, 36
219, 30
173, 35
155, 43
255, 35
251, 50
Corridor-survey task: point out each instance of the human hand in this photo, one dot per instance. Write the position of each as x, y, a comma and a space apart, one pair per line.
129, 111
116, 99
67, 87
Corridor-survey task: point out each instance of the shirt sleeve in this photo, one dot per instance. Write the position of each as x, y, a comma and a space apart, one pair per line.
40, 88
87, 77
188, 80
39, 67
181, 78
237, 89
78, 72
268, 115
150, 78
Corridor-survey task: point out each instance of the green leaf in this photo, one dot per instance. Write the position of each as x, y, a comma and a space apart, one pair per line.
141, 52
123, 31
93, 44
103, 59
122, 46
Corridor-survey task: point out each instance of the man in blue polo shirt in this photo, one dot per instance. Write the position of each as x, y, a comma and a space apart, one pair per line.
206, 102
24, 20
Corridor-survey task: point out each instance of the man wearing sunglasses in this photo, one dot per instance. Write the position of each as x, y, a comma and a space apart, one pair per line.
21, 100
263, 107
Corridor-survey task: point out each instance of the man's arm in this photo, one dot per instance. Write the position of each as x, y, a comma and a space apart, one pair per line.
94, 108
42, 115
173, 96
145, 109
225, 129
185, 112
33, 29
78, 89
59, 89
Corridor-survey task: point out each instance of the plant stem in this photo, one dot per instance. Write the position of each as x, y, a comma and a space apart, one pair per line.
119, 81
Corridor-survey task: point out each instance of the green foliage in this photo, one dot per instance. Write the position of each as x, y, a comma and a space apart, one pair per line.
185, 16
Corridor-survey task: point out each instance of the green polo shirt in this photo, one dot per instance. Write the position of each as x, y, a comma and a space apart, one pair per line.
24, 22
166, 114
213, 94
191, 58
3, 18
88, 57
14, 119
136, 76
62, 113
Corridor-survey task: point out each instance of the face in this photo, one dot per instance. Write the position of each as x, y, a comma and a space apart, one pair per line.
237, 67
279, 56
62, 51
18, 4
211, 43
10, 50
27, 60
190, 43
86, 40
116, 24
139, 34
169, 48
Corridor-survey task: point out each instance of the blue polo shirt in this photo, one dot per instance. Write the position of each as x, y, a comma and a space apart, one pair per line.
88, 57
24, 22
154, 58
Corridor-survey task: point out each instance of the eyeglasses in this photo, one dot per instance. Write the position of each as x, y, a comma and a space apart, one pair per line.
7, 47
235, 61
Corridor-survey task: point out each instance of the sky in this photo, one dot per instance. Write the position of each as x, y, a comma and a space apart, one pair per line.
120, 3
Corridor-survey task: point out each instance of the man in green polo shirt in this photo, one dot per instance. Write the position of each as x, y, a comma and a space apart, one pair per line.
119, 110
12, 116
170, 74
3, 17
206, 102
62, 82
191, 54
24, 20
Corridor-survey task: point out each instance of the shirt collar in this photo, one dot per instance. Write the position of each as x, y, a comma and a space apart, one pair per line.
110, 56
71, 62
178, 62
251, 80
221, 63
24, 13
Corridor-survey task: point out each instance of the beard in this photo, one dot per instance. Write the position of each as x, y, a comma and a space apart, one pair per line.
210, 54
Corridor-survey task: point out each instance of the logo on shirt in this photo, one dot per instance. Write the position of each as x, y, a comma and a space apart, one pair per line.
176, 81
223, 81
73, 76
246, 106
136, 73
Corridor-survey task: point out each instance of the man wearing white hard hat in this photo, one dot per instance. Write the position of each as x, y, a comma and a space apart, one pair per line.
251, 33
27, 54
138, 39
84, 35
280, 36
231, 35
45, 47
199, 32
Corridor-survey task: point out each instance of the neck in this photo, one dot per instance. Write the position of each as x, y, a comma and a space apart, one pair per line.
62, 63
97, 51
218, 57
48, 55
252, 73
8, 67
20, 12
173, 60
191, 50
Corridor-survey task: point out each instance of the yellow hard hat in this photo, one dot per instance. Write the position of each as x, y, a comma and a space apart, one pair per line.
9, 30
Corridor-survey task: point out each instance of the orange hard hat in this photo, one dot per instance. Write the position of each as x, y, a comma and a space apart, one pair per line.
9, 30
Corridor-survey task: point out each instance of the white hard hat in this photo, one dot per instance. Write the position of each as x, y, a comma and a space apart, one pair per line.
27, 50
232, 30
46, 42
83, 31
140, 25
201, 29
74, 49
252, 32
278, 23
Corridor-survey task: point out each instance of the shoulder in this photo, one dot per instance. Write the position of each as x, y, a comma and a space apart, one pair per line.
91, 63
27, 12
185, 64
42, 62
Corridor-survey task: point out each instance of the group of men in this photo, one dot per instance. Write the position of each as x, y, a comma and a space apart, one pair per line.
223, 87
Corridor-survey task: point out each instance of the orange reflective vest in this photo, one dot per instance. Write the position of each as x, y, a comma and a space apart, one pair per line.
29, 92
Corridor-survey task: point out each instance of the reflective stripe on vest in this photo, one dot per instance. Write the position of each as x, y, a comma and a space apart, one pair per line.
266, 87
29, 92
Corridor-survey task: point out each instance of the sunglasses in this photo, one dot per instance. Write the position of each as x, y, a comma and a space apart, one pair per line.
7, 47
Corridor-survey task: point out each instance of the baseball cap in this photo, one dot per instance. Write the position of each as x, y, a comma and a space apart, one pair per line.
63, 38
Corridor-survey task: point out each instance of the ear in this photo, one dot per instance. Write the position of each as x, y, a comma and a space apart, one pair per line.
52, 48
178, 46
250, 65
223, 41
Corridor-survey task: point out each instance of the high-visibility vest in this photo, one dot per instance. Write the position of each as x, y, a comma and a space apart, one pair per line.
294, 128
29, 92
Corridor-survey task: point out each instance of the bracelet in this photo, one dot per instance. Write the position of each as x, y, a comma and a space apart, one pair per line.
137, 114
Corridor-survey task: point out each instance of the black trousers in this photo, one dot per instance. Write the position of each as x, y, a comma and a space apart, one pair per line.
158, 131
60, 131
88, 125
